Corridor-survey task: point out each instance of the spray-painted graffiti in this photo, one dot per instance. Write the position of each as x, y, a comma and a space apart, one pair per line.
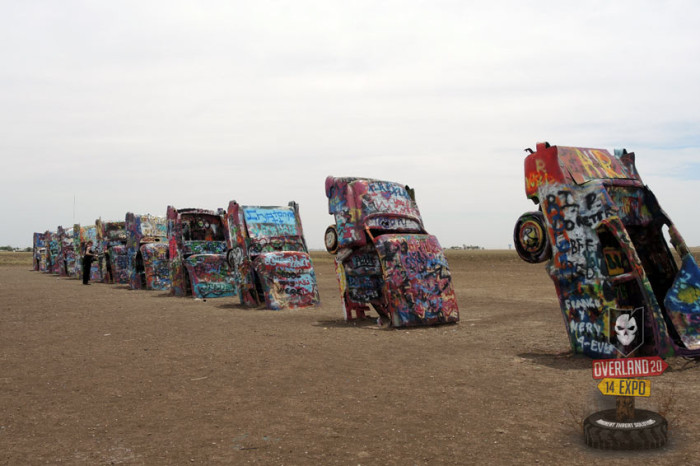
89, 233
156, 266
362, 275
53, 250
682, 303
354, 201
418, 286
197, 246
267, 251
208, 278
119, 262
68, 256
607, 253
39, 252
147, 252
288, 280
384, 257
114, 260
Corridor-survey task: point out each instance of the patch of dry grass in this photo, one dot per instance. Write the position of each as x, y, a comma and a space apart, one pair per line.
15, 259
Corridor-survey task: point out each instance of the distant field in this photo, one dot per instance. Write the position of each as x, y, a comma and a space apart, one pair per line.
15, 258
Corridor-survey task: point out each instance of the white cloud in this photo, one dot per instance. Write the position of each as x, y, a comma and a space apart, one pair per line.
131, 106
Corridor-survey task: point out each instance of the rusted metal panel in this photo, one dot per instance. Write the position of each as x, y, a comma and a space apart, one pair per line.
417, 282
288, 279
156, 266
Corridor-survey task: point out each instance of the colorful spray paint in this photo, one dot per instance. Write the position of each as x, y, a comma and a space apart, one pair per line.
268, 254
383, 255
147, 259
197, 251
89, 233
115, 260
602, 232
39, 252
68, 257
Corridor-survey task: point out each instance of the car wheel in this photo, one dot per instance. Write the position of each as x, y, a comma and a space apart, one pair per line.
647, 430
531, 239
330, 238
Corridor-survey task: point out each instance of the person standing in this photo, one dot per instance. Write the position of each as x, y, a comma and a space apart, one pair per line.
88, 257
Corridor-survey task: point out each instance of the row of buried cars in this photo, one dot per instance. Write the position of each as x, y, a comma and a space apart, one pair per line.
384, 257
258, 253
622, 290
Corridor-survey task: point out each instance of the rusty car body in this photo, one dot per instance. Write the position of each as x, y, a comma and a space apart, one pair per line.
115, 259
147, 261
383, 255
197, 250
606, 242
268, 254
39, 252
68, 258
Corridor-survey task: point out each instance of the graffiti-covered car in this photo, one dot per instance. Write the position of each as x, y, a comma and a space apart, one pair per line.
115, 260
68, 257
621, 290
268, 254
147, 261
383, 255
89, 233
39, 252
52, 252
197, 248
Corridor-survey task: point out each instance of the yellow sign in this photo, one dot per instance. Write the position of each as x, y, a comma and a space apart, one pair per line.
625, 387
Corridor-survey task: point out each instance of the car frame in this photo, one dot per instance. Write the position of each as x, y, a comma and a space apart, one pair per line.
604, 237
68, 257
86, 234
384, 257
268, 254
38, 252
115, 259
53, 252
197, 249
148, 264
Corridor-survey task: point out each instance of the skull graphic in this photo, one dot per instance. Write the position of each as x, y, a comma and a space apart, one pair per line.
626, 329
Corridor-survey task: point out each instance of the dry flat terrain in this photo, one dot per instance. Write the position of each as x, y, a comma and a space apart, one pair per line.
104, 375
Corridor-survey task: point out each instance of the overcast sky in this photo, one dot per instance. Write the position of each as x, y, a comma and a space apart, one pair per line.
135, 105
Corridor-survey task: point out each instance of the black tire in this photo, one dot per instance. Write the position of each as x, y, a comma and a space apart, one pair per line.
531, 239
646, 431
330, 239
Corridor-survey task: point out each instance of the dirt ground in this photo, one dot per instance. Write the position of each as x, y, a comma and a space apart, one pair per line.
106, 375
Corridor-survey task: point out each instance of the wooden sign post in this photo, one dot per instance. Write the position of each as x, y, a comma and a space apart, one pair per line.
637, 428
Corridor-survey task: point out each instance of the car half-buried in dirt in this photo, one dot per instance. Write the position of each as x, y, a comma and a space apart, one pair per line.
383, 255
68, 258
83, 235
115, 263
621, 289
52, 252
197, 249
39, 252
268, 254
147, 252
